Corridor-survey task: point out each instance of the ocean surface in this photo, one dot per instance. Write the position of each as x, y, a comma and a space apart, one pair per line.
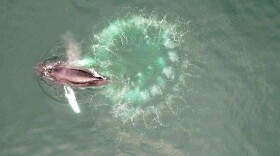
213, 91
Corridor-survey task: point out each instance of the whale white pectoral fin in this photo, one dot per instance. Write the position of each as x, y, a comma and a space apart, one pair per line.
70, 95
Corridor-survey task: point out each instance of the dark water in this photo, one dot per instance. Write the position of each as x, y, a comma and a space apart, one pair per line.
229, 104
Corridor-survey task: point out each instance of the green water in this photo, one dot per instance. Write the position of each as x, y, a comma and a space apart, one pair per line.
227, 104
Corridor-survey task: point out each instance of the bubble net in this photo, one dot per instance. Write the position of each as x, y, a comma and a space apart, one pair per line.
144, 59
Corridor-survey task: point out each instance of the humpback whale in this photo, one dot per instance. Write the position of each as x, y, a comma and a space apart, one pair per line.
61, 73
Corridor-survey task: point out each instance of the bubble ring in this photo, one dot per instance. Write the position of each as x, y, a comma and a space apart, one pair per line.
137, 80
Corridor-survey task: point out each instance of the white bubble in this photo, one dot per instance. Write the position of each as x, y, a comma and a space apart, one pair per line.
113, 28
139, 74
168, 72
169, 44
145, 95
155, 90
173, 56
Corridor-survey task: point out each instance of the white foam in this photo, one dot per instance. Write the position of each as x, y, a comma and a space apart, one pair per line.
168, 72
144, 95
173, 56
113, 28
139, 74
155, 90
